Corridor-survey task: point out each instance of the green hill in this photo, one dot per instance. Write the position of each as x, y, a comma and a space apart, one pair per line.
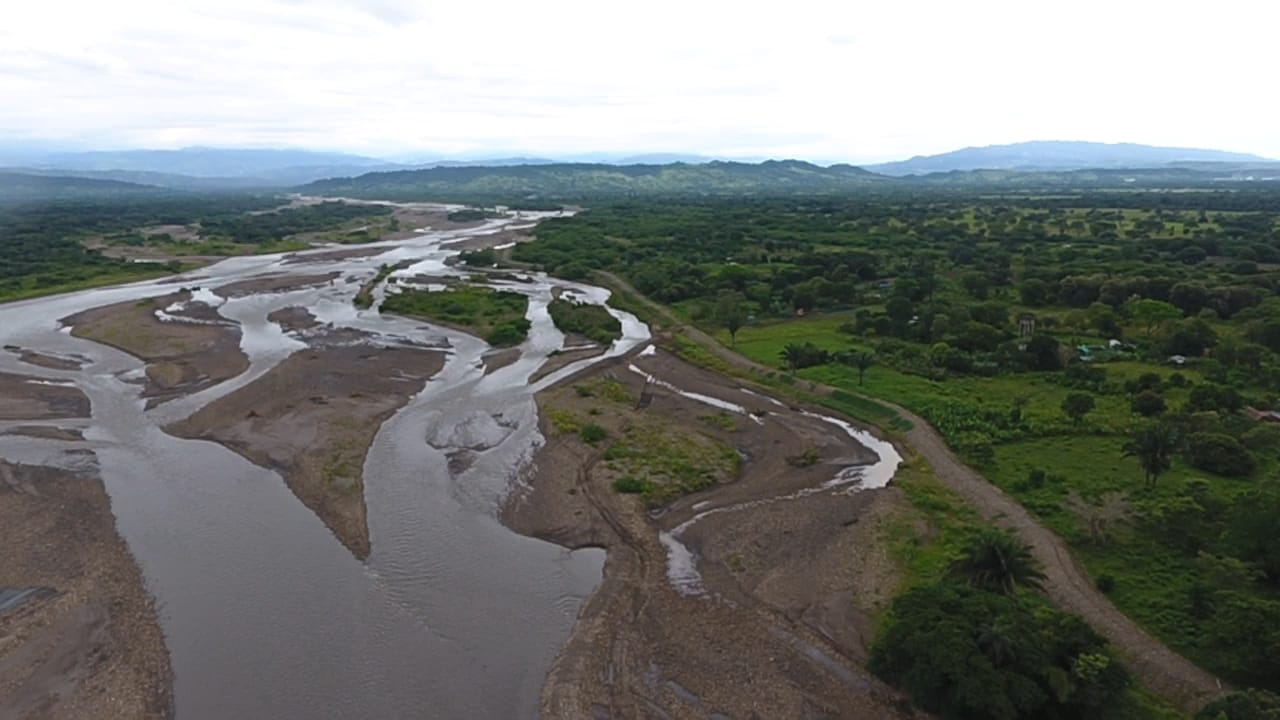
20, 188
581, 181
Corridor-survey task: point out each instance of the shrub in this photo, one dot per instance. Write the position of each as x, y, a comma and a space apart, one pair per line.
1076, 405
508, 335
592, 433
1105, 583
631, 486
1218, 453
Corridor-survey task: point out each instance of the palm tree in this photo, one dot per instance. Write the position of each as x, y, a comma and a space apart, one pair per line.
793, 354
997, 561
1154, 446
859, 360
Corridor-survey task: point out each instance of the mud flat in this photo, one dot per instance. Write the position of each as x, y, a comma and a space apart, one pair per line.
748, 598
313, 417
193, 348
23, 397
87, 644
52, 362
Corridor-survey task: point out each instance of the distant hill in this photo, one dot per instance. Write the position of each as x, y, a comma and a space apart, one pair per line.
577, 181
1058, 156
19, 188
157, 179
265, 167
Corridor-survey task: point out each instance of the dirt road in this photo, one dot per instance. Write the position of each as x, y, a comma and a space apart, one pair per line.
1068, 585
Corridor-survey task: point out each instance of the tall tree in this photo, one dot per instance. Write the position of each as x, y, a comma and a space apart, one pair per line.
1152, 314
1154, 446
859, 359
729, 314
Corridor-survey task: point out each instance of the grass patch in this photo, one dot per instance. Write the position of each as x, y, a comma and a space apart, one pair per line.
721, 420
670, 463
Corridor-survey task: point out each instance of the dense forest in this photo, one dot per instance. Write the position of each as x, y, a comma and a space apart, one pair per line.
1109, 359
42, 245
573, 182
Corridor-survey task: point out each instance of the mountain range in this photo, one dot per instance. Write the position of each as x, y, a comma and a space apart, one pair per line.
518, 176
1058, 155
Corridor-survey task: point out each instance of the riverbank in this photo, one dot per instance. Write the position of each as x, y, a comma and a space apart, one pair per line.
91, 647
773, 620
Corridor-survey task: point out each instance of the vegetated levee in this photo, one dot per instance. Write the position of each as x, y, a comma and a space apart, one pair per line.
265, 610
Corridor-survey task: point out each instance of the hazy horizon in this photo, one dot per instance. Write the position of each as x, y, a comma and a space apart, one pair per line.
820, 82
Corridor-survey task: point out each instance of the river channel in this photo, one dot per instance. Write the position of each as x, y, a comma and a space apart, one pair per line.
265, 613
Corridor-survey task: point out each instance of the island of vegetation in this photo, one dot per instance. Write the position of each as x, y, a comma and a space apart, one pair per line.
498, 316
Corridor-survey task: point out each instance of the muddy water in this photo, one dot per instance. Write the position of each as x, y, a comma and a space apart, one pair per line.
265, 613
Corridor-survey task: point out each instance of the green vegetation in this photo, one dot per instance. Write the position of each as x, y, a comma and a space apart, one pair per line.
593, 321
967, 653
1093, 354
472, 215
364, 298
496, 316
662, 464
62, 245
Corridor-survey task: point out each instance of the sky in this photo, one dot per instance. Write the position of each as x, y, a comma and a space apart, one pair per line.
825, 81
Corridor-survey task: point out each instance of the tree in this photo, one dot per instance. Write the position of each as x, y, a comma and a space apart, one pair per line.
1154, 446
1151, 314
1034, 292
1043, 351
1148, 403
900, 311
729, 314
799, 356
1076, 405
1253, 531
1191, 337
997, 561
976, 284
1103, 318
965, 654
1189, 297
1218, 453
860, 360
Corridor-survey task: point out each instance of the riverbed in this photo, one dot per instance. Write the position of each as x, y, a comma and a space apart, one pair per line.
264, 612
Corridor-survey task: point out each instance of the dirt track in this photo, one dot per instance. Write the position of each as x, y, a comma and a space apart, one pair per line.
1068, 585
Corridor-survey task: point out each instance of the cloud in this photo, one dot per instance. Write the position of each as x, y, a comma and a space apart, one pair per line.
825, 80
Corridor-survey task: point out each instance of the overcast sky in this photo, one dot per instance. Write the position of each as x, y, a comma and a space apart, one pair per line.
852, 80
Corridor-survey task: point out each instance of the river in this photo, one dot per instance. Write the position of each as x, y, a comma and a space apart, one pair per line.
265, 613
